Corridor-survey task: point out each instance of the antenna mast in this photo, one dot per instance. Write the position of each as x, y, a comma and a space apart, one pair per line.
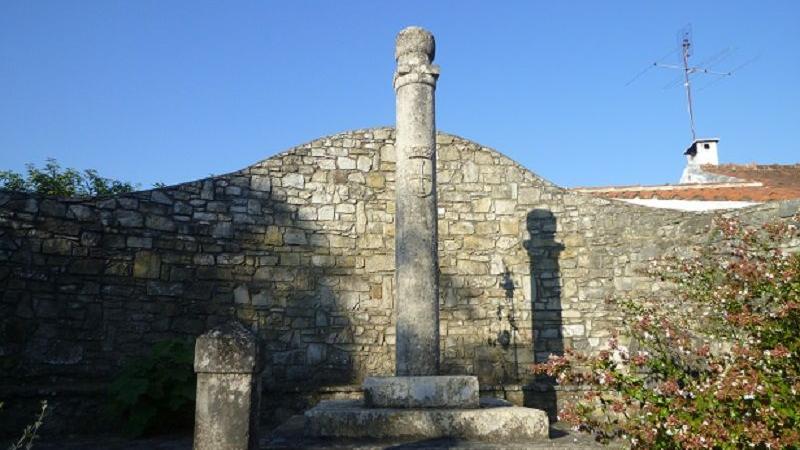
686, 46
685, 43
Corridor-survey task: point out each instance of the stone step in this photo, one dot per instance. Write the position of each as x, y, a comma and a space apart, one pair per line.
494, 421
445, 391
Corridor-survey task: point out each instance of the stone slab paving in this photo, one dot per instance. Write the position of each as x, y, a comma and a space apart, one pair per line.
291, 435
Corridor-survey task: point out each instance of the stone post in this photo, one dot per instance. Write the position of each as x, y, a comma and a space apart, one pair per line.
227, 362
416, 262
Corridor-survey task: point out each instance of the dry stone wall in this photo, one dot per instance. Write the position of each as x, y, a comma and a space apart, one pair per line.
300, 246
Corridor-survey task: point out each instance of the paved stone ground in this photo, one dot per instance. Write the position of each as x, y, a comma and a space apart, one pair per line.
290, 436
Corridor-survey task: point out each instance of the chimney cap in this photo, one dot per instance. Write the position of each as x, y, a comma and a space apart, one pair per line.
692, 150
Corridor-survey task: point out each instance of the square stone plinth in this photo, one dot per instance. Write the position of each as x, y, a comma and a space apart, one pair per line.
451, 391
492, 422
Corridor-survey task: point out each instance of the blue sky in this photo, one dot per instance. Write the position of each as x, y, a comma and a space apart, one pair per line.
171, 91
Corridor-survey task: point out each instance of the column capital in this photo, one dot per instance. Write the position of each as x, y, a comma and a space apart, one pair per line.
423, 73
415, 49
414, 45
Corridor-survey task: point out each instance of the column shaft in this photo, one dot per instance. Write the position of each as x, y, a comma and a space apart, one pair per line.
416, 260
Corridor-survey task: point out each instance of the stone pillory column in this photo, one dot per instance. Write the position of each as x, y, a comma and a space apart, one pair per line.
418, 403
416, 264
228, 366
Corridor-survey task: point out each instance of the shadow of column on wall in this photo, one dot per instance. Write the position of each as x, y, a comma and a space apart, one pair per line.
507, 338
543, 252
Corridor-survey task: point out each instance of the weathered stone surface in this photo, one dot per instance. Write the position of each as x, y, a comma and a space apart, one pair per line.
227, 362
81, 212
444, 391
127, 218
228, 348
490, 423
416, 237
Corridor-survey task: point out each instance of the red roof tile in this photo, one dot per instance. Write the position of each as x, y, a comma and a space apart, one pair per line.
760, 183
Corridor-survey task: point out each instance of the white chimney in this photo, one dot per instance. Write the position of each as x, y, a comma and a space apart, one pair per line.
702, 151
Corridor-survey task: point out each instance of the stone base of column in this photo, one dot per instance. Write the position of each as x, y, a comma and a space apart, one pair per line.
445, 391
494, 421
429, 407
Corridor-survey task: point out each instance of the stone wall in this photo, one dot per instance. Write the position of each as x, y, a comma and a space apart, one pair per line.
300, 246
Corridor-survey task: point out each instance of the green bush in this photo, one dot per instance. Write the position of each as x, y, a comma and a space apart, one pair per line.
156, 393
55, 181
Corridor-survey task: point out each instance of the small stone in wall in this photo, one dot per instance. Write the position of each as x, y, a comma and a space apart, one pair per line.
233, 191
204, 260
482, 205
222, 230
315, 353
472, 267
471, 172
241, 295
160, 223
345, 163
573, 330
82, 213
462, 228
295, 237
506, 242
52, 208
364, 163
375, 180
146, 264
127, 218
207, 192
326, 212
90, 239
323, 261
31, 206
294, 180
164, 288
57, 246
273, 236
87, 267
509, 226
345, 208
139, 242
504, 206
379, 263
260, 183
160, 197
260, 300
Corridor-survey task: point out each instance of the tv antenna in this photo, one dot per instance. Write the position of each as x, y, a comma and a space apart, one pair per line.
685, 47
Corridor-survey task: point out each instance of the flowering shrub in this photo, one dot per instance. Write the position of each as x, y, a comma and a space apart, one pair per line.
718, 367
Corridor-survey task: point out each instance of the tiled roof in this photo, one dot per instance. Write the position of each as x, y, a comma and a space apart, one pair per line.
760, 183
774, 175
